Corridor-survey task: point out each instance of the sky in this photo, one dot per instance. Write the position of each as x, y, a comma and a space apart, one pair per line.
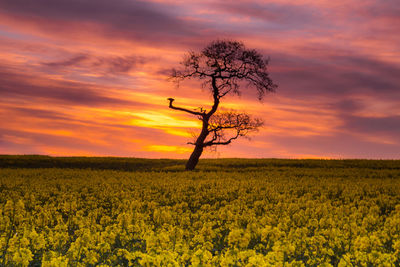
90, 78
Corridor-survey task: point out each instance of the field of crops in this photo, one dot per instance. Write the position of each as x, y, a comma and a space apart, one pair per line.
230, 212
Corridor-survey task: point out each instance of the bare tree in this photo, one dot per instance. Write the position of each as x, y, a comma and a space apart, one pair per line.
223, 66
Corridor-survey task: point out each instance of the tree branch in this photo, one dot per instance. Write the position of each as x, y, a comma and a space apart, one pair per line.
212, 143
184, 109
221, 123
215, 96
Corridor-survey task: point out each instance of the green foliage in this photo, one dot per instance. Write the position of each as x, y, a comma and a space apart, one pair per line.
231, 212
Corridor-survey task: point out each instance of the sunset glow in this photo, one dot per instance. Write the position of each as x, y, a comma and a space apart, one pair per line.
91, 77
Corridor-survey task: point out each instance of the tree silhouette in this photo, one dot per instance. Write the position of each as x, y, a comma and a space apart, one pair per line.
223, 67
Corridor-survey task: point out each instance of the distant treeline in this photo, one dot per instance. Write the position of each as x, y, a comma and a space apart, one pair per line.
230, 164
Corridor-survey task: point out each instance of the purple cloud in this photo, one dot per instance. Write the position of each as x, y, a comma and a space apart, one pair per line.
282, 16
336, 76
105, 65
373, 125
76, 93
341, 145
137, 20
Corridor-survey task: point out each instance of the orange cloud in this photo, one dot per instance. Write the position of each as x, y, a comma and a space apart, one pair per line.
168, 149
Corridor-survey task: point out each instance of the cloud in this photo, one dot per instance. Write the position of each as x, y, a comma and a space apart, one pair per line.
388, 9
342, 145
346, 106
282, 16
126, 19
373, 125
67, 92
37, 113
70, 137
119, 13
74, 61
335, 76
104, 65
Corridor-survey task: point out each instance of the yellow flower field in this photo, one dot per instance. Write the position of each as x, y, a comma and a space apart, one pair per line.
259, 215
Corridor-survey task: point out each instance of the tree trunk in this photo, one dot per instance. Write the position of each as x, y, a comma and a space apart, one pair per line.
198, 149
194, 158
